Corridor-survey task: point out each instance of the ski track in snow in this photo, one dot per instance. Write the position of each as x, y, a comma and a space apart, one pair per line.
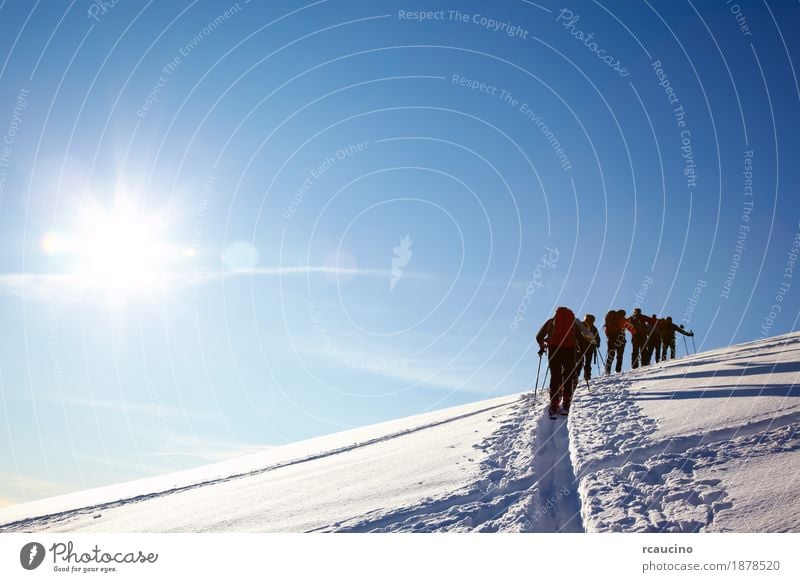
527, 485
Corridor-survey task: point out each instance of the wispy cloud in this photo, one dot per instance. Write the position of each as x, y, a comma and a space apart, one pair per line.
202, 449
128, 407
427, 372
206, 276
73, 287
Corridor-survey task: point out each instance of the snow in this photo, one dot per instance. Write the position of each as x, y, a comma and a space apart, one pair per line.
687, 445
705, 443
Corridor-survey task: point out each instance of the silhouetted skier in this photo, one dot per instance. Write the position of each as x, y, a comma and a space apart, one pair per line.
615, 326
652, 349
561, 337
639, 340
592, 345
668, 330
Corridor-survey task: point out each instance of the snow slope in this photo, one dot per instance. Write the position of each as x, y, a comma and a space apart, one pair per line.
465, 468
706, 443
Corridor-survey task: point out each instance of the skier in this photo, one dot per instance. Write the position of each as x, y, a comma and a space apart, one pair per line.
592, 345
652, 348
668, 330
639, 336
562, 338
615, 326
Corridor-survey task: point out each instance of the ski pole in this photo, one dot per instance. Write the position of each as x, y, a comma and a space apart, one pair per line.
694, 347
536, 386
686, 345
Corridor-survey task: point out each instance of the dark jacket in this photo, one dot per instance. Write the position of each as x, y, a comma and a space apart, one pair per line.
640, 325
668, 330
615, 327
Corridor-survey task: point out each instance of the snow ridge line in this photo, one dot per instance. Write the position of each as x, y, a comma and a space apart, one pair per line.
67, 514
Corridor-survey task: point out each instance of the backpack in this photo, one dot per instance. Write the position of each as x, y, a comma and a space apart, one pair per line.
611, 322
622, 323
615, 323
639, 325
562, 332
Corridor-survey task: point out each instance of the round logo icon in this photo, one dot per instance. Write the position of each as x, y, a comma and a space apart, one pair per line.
31, 555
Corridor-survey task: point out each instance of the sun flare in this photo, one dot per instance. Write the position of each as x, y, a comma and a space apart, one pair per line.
121, 251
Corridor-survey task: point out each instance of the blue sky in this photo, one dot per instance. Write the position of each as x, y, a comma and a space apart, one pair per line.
230, 226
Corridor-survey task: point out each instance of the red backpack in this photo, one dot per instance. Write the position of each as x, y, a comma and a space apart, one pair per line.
562, 333
622, 323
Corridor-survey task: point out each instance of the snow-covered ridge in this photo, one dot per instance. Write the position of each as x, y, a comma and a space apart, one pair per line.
705, 443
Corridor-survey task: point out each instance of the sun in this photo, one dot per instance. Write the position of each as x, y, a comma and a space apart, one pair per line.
120, 251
